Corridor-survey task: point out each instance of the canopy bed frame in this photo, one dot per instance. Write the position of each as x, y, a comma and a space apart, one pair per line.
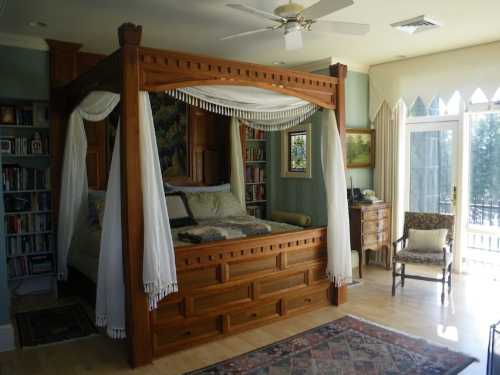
225, 286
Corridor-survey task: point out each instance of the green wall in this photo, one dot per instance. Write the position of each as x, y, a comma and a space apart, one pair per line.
308, 195
24, 74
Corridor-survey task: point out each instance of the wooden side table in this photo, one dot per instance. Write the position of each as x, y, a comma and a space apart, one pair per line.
370, 226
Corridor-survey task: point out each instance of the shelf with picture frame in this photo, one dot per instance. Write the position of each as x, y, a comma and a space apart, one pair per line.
26, 207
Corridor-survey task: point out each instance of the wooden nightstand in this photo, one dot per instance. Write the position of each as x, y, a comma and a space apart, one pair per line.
370, 226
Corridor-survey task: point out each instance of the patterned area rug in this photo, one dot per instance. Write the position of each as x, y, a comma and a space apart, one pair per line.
53, 325
347, 346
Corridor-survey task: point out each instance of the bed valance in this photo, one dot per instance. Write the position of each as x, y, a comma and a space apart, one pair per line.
258, 108
436, 76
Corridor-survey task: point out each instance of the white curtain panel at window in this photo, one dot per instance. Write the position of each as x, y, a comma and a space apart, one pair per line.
339, 268
237, 169
74, 186
388, 179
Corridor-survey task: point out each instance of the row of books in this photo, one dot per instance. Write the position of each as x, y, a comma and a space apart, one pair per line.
255, 153
21, 202
254, 133
254, 173
20, 245
257, 211
255, 193
16, 178
19, 224
28, 115
30, 265
24, 145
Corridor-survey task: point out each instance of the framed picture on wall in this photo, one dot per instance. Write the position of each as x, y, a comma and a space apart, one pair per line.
360, 148
8, 114
296, 152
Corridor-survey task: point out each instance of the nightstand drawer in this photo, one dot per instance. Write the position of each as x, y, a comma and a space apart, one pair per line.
374, 239
374, 226
375, 214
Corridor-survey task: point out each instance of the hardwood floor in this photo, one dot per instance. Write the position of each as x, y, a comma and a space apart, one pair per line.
461, 324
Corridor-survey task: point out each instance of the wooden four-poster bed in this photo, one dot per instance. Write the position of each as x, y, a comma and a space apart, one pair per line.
225, 286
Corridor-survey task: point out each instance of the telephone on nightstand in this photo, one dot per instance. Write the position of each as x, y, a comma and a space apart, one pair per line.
369, 196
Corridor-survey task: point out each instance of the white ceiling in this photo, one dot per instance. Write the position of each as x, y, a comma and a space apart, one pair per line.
196, 25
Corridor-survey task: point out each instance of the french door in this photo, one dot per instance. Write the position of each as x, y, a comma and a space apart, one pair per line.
432, 163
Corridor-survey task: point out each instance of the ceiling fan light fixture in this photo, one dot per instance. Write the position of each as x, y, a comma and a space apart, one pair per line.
293, 39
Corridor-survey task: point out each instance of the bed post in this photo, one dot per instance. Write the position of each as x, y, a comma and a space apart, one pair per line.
340, 72
138, 327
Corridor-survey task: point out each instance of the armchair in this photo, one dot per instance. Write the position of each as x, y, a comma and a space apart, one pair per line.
443, 258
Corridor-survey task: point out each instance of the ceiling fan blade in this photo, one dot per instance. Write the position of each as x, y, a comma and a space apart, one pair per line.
325, 7
247, 33
348, 28
256, 12
293, 40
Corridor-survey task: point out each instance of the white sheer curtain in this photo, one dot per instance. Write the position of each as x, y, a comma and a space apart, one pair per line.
159, 272
74, 186
237, 172
339, 268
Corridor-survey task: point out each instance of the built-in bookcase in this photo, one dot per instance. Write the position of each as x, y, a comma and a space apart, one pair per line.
255, 156
26, 189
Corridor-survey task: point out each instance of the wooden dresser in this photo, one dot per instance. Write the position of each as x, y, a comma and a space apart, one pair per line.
370, 226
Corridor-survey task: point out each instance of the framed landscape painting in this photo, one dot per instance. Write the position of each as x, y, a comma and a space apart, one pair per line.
360, 148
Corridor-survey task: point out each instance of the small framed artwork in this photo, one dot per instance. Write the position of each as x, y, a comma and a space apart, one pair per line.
36, 144
296, 155
5, 146
360, 148
8, 114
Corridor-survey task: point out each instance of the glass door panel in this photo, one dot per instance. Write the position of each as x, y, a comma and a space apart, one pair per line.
431, 164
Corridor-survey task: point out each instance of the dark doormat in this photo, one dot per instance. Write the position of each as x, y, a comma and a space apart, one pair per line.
53, 324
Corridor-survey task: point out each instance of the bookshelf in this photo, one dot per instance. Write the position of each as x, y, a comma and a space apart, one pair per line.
255, 157
26, 190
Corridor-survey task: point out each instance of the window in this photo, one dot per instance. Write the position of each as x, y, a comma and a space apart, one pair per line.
296, 152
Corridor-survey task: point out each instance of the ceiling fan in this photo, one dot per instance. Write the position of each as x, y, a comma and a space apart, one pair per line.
293, 18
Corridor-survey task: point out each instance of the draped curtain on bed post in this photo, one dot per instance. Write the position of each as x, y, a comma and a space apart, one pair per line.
74, 185
237, 172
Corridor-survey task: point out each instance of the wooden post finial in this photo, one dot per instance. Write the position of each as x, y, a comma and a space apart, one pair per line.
338, 70
129, 33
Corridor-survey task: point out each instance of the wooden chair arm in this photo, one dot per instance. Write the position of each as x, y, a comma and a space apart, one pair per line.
395, 244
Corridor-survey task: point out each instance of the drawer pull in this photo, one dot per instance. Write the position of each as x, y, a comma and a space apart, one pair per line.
187, 333
308, 300
254, 315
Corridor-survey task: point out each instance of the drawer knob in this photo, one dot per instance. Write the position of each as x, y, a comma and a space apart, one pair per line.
254, 315
187, 333
308, 300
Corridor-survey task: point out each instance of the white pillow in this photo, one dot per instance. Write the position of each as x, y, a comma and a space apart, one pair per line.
208, 205
431, 240
198, 189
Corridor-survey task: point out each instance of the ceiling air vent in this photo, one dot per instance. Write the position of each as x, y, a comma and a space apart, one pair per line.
416, 25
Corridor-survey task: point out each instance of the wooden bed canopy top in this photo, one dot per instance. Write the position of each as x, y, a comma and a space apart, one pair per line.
133, 68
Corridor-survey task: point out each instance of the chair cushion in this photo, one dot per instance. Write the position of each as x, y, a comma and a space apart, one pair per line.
419, 257
430, 240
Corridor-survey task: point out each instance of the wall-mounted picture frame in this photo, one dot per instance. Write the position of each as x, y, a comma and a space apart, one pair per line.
296, 152
360, 148
7, 114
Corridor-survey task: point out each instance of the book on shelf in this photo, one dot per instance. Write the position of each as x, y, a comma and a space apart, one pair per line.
255, 153
22, 245
251, 133
30, 265
29, 114
23, 202
255, 173
254, 193
15, 178
27, 223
